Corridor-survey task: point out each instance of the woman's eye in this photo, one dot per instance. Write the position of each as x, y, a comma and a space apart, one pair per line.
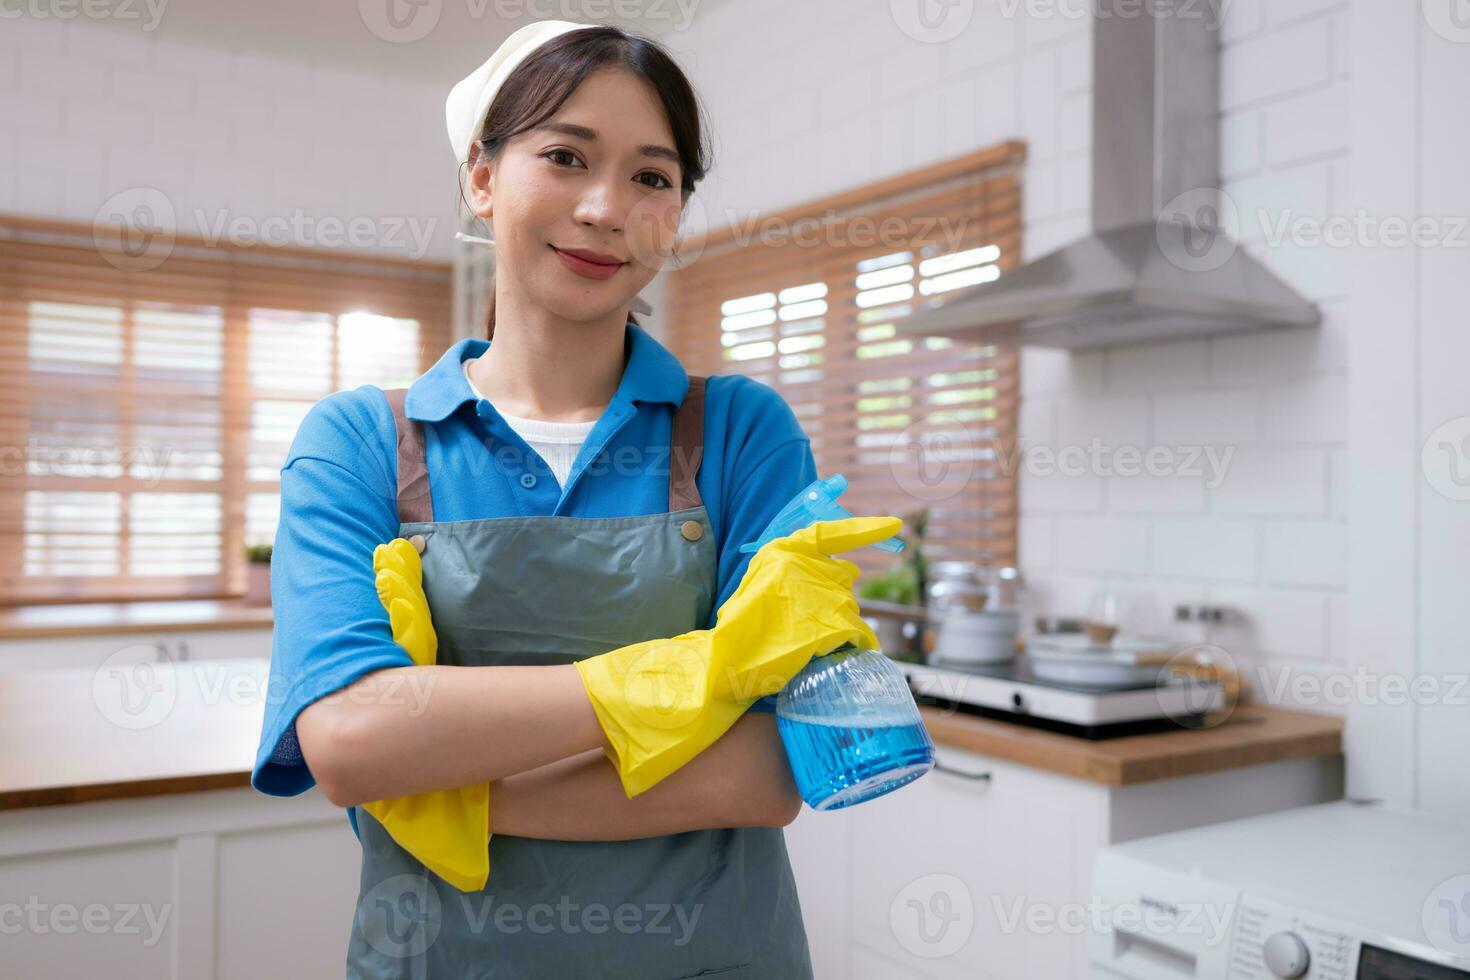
663, 182
563, 153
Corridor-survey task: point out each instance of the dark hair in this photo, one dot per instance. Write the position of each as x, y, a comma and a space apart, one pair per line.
547, 78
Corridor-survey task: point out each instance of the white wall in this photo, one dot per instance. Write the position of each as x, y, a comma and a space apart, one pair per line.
1410, 517
1443, 396
808, 99
98, 109
1268, 540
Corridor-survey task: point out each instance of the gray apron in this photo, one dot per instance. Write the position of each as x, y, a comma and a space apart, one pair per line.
552, 590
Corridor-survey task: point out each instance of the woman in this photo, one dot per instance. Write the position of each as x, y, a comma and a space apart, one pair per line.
624, 840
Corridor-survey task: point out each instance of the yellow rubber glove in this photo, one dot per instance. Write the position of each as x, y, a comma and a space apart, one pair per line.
662, 702
447, 830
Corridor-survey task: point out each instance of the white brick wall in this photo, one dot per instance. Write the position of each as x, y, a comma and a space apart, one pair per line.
102, 108
1270, 540
857, 99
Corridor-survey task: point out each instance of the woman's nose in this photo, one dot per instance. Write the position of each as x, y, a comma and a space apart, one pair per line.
604, 206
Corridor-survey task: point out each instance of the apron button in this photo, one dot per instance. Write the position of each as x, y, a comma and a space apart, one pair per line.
418, 543
692, 530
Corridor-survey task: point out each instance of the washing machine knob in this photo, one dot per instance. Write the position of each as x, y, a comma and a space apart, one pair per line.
1287, 955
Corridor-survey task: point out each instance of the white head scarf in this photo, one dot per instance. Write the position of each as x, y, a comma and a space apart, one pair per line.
470, 99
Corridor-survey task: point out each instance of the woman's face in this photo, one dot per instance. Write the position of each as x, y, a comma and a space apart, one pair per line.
600, 176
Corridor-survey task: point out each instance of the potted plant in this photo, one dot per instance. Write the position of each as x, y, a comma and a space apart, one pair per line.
258, 575
894, 597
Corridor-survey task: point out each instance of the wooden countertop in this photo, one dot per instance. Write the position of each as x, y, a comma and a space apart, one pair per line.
77, 734
73, 735
1250, 735
81, 619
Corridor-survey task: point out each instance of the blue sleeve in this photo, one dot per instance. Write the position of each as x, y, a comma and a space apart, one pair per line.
774, 463
338, 502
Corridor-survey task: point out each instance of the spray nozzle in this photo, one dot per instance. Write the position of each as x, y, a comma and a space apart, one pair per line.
818, 502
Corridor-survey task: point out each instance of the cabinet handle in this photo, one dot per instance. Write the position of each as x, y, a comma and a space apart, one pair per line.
983, 777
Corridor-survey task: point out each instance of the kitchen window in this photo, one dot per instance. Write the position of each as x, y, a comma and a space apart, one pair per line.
806, 301
149, 407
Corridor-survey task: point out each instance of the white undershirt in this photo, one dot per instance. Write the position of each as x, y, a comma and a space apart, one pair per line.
555, 442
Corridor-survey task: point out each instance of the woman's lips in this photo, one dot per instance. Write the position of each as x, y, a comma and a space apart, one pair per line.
583, 267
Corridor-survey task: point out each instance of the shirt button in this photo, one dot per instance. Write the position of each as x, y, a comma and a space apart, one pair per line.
528, 480
692, 530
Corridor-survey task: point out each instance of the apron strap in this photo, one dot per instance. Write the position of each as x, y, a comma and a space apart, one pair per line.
686, 447
414, 500
686, 450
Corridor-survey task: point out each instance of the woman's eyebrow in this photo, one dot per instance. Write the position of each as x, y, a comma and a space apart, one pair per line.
583, 132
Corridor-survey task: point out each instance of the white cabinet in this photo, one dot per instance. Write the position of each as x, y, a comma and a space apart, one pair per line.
982, 868
93, 650
223, 644
214, 885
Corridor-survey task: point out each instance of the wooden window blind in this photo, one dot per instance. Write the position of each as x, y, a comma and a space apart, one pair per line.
147, 401
807, 301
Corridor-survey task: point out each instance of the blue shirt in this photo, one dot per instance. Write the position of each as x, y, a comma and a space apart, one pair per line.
339, 501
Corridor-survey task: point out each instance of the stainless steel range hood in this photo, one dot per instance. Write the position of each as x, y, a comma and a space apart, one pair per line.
1160, 262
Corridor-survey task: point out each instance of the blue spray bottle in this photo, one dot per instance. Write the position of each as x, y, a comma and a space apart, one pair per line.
849, 723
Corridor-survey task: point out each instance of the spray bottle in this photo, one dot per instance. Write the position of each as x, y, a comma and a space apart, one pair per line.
849, 723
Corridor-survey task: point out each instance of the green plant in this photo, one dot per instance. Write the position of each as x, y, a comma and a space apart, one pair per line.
903, 583
258, 554
896, 584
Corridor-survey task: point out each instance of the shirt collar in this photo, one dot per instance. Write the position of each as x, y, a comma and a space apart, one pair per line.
651, 374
